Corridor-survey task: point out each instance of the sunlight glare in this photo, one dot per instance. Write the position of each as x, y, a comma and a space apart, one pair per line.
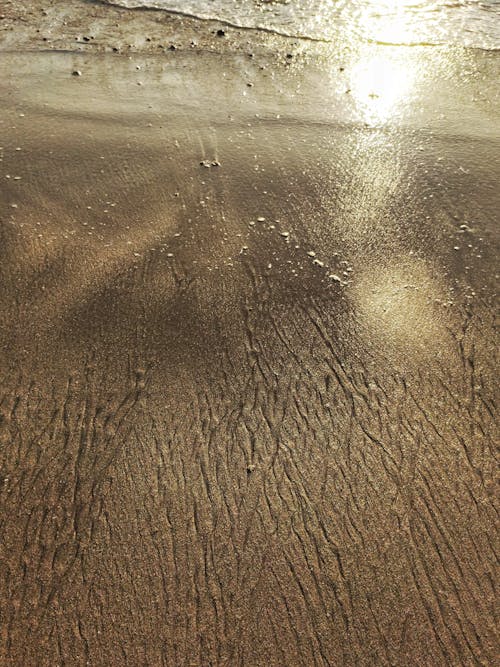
381, 84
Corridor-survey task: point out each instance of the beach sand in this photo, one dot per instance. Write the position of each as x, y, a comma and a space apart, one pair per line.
247, 353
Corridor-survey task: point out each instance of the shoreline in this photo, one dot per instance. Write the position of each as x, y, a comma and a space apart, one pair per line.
94, 26
98, 27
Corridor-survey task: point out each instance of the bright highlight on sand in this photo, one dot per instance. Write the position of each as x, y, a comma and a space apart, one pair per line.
380, 83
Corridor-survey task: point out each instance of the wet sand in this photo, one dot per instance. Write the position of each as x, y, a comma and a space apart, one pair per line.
248, 359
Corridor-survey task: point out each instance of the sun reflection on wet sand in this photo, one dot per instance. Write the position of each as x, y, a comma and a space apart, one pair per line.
403, 304
382, 84
398, 300
383, 78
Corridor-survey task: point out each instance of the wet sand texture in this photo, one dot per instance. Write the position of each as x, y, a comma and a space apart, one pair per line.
247, 409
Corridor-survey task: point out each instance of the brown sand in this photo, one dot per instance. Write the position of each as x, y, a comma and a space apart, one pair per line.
247, 409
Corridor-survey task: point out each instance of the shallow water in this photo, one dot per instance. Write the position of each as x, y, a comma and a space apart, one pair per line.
467, 22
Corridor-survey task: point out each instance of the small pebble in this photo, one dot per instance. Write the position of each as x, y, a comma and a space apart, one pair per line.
209, 163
